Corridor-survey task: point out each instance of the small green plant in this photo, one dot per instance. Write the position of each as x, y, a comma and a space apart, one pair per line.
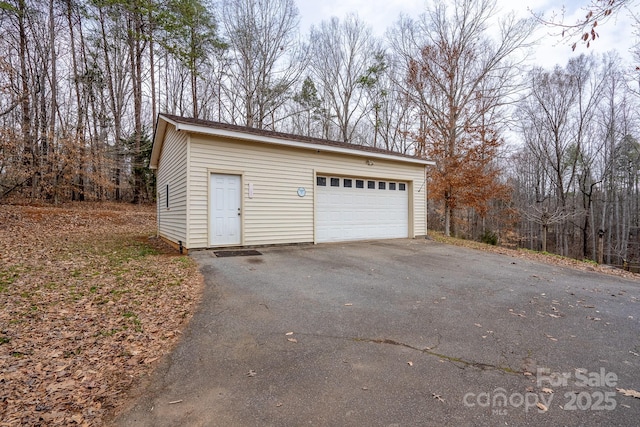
134, 317
125, 251
489, 237
109, 332
118, 292
7, 277
184, 260
5, 340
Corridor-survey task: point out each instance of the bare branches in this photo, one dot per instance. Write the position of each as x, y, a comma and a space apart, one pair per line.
11, 107
578, 170
545, 217
266, 60
584, 30
342, 54
459, 78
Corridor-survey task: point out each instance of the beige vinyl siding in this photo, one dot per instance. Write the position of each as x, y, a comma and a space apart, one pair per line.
172, 170
276, 214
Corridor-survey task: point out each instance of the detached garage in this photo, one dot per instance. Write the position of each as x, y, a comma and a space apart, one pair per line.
224, 185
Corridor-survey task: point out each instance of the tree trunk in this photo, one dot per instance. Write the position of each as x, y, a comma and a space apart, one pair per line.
115, 105
25, 94
152, 71
447, 216
600, 246
585, 229
53, 108
136, 50
79, 131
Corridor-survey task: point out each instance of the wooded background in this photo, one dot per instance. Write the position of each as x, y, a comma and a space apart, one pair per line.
538, 158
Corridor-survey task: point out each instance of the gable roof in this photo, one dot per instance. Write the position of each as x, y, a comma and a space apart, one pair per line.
267, 137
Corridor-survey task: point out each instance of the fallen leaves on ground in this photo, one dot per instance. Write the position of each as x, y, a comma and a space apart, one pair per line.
516, 314
534, 256
89, 304
629, 392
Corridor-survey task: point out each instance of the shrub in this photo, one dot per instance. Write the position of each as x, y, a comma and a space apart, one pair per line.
489, 237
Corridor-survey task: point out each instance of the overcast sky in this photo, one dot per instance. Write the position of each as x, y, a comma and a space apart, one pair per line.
617, 33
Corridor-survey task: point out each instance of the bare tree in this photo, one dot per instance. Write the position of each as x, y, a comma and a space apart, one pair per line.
456, 75
342, 54
545, 219
267, 59
585, 30
580, 159
558, 117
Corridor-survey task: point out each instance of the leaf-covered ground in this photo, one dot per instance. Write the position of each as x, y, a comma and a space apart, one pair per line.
534, 256
88, 304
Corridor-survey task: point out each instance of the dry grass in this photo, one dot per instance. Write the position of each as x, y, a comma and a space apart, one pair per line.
89, 303
535, 256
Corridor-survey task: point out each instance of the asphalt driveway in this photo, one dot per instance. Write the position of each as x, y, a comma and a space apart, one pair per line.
399, 333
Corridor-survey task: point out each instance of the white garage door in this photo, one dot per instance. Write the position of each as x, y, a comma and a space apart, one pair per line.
360, 209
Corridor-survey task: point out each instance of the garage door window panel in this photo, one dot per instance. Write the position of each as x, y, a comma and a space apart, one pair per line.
346, 213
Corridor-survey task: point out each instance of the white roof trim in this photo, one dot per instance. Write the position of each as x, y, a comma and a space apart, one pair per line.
289, 143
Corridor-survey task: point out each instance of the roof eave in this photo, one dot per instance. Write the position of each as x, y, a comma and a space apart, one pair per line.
158, 140
246, 136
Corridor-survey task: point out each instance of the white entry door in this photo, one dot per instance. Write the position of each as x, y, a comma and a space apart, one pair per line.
225, 214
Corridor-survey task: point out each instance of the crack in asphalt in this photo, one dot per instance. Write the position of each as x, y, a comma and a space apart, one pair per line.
428, 350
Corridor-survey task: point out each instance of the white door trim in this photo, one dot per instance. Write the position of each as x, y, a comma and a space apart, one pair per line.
225, 222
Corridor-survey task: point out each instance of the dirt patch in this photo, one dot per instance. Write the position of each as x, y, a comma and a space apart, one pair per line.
90, 303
